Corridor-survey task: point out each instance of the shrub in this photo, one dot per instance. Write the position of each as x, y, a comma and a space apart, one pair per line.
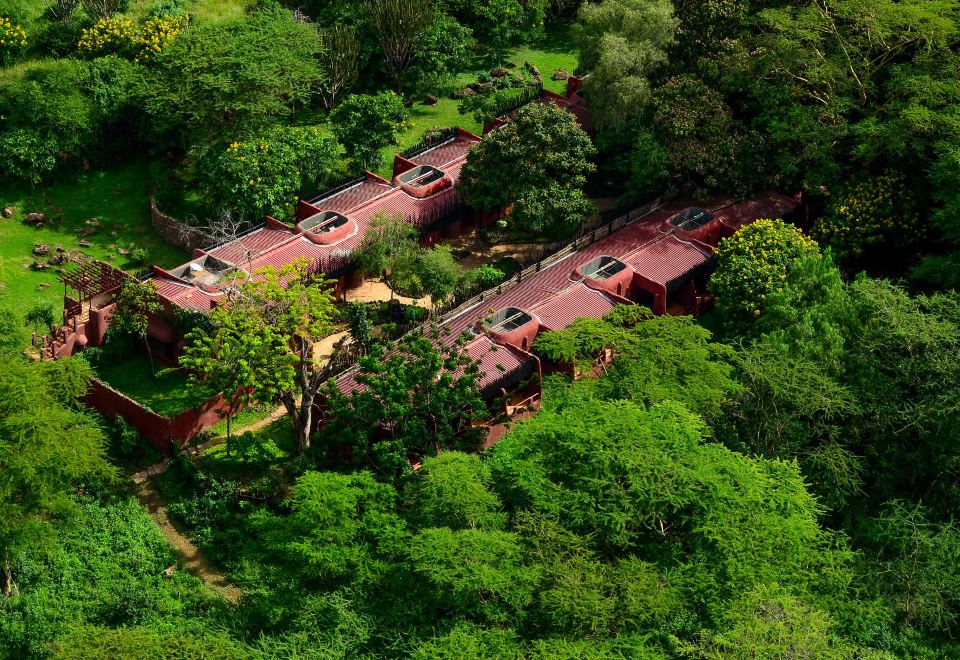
366, 124
157, 32
872, 214
13, 41
110, 35
753, 263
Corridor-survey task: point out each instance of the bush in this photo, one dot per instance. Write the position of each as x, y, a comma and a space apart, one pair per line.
366, 124
752, 264
13, 41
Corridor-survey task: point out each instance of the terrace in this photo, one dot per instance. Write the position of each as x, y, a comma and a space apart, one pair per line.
207, 271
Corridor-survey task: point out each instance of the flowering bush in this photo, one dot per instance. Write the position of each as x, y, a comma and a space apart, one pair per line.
110, 35
121, 36
874, 213
157, 32
753, 263
263, 176
13, 41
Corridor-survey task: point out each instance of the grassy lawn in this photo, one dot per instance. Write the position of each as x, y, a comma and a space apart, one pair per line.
117, 199
166, 393
250, 453
250, 415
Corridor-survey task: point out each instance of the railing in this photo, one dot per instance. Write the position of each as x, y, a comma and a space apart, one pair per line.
429, 140
505, 106
441, 212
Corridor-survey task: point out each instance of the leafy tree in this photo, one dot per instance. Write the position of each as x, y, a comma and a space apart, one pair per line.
480, 278
453, 490
265, 174
438, 272
754, 263
693, 143
873, 222
417, 397
37, 478
621, 44
299, 309
339, 61
361, 329
219, 80
240, 358
12, 335
558, 209
442, 51
399, 26
498, 24
136, 303
389, 250
366, 124
542, 146
41, 316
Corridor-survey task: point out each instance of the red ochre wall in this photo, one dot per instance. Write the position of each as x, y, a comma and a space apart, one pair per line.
155, 428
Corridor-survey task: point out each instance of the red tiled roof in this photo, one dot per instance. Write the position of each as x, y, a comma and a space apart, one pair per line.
667, 259
579, 301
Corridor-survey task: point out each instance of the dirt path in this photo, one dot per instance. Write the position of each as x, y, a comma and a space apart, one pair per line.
193, 558
377, 291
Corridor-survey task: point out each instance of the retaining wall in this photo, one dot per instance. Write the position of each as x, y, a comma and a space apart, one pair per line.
174, 232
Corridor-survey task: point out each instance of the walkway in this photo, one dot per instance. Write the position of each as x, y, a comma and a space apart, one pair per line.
193, 558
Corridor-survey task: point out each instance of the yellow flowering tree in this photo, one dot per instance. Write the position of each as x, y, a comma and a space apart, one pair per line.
157, 32
13, 41
265, 174
872, 218
754, 263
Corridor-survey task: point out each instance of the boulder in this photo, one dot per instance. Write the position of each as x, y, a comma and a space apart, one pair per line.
466, 91
9, 211
60, 258
85, 244
429, 99
511, 65
39, 265
560, 74
36, 219
499, 72
43, 285
477, 86
41, 249
169, 571
92, 222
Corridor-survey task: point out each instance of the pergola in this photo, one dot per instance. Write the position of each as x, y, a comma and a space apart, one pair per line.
90, 278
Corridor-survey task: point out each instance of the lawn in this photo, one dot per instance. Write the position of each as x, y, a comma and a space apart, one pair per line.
118, 201
167, 392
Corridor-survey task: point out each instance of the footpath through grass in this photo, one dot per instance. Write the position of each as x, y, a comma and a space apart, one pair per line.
116, 199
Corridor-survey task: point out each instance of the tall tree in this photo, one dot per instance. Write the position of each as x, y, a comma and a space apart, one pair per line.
300, 310
365, 124
541, 146
136, 304
38, 473
399, 25
339, 61
240, 358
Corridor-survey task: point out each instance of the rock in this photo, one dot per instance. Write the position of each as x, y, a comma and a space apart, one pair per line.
429, 99
9, 211
560, 74
41, 249
477, 86
60, 248
35, 219
83, 232
499, 72
43, 285
466, 91
535, 72
123, 251
92, 222
39, 265
60, 258
407, 103
521, 77
85, 244
169, 571
511, 65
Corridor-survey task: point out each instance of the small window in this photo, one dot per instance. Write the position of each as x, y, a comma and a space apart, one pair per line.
602, 268
507, 320
691, 219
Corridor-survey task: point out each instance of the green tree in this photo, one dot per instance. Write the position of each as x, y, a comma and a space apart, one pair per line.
37, 478
555, 210
300, 310
339, 62
453, 490
499, 24
266, 173
220, 80
136, 303
399, 26
622, 42
438, 272
365, 124
417, 397
361, 329
240, 358
542, 146
389, 250
753, 264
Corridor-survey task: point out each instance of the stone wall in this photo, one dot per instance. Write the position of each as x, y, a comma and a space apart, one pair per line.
175, 232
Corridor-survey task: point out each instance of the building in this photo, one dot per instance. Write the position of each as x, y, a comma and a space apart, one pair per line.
661, 260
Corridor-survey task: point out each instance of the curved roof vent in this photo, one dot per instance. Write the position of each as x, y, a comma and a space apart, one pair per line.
602, 268
691, 219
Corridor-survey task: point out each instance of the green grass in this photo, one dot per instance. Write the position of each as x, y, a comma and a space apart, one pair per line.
245, 417
166, 393
252, 455
117, 199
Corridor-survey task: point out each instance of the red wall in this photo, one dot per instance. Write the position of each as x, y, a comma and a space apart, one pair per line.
158, 430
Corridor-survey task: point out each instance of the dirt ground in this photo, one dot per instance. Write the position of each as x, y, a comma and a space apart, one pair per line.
377, 291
